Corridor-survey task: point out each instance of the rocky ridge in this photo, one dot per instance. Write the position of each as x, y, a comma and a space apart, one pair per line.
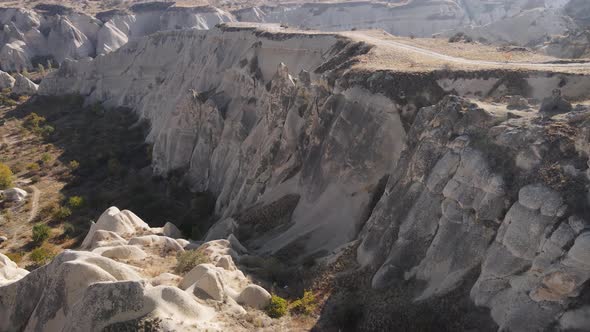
31, 37
124, 278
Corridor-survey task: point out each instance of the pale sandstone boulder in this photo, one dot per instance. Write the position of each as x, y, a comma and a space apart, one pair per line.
14, 194
102, 238
24, 86
122, 252
9, 271
210, 284
183, 243
121, 222
227, 263
254, 296
171, 230
221, 229
156, 240
195, 274
6, 81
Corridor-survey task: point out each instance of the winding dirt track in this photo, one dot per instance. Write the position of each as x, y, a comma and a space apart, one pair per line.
578, 65
535, 65
35, 204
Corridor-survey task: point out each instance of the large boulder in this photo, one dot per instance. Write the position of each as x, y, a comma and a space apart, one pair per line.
120, 222
14, 195
9, 271
24, 86
254, 296
121, 252
221, 229
6, 81
209, 284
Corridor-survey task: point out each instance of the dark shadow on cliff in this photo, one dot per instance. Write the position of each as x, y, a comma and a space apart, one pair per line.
355, 306
104, 160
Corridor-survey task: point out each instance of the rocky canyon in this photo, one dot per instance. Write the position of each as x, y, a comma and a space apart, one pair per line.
403, 166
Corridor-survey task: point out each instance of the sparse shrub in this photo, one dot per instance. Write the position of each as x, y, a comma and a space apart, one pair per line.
16, 257
42, 255
33, 167
74, 165
47, 211
6, 101
41, 233
41, 69
305, 305
76, 202
47, 131
34, 122
69, 230
62, 213
5, 176
186, 261
45, 158
277, 307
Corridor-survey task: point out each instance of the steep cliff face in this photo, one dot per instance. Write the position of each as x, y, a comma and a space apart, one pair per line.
476, 192
308, 150
31, 37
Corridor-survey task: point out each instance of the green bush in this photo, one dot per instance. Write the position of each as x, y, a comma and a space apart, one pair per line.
5, 176
42, 255
76, 202
41, 233
305, 305
62, 213
277, 307
187, 260
34, 122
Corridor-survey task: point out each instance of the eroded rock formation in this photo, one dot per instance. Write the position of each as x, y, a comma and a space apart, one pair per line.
306, 148
32, 37
124, 281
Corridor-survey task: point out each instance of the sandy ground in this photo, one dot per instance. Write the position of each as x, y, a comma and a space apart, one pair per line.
426, 54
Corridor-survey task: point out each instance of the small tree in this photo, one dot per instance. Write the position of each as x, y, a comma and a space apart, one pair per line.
277, 307
5, 176
76, 202
41, 69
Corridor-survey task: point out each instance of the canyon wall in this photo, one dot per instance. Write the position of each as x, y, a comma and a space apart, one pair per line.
300, 142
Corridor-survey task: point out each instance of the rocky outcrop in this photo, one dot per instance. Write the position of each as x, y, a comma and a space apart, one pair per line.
13, 194
113, 286
32, 37
6, 81
522, 236
24, 86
